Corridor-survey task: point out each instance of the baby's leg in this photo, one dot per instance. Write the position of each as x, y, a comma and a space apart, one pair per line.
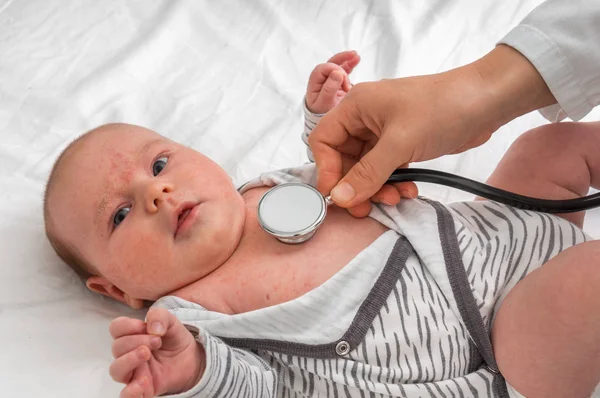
557, 161
546, 334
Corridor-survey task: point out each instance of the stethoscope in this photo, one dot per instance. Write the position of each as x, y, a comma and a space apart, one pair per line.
293, 212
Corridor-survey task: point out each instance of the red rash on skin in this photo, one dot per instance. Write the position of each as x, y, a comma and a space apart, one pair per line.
124, 177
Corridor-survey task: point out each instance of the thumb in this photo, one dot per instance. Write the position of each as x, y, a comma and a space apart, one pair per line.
365, 178
163, 323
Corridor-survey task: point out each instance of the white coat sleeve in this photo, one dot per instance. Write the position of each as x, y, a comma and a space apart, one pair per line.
561, 38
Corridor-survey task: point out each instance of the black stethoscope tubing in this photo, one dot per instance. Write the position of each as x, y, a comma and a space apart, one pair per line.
495, 194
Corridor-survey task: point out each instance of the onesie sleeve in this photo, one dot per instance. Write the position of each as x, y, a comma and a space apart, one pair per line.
310, 121
561, 38
231, 372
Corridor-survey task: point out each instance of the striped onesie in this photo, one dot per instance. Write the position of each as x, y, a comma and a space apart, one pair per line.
409, 316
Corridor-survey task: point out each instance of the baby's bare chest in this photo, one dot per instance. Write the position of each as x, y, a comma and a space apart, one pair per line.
272, 273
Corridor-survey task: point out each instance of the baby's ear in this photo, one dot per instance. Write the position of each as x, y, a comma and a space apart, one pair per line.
100, 284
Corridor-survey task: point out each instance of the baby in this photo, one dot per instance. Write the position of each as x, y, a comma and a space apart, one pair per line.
398, 304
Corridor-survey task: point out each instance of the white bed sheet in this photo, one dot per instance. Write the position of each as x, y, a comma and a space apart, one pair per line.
225, 77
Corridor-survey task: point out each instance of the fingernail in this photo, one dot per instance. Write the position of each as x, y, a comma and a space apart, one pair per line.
343, 192
141, 353
407, 194
157, 328
155, 342
142, 382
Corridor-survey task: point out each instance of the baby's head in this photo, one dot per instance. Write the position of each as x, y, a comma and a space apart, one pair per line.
139, 215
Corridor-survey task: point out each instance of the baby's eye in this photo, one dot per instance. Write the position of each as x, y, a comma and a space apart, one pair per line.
159, 165
120, 215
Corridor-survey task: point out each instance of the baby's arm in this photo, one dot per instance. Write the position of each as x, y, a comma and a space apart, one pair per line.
555, 161
154, 361
327, 85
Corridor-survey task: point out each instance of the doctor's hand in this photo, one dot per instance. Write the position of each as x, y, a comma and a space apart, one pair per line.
380, 126
155, 357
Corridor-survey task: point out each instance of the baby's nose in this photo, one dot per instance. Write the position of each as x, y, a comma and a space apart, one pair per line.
157, 193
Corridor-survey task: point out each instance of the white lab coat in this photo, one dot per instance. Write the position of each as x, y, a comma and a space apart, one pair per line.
561, 38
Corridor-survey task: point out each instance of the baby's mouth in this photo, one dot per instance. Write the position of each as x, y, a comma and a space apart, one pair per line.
182, 217
186, 215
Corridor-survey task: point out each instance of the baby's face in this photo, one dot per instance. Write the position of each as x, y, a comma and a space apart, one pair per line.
149, 214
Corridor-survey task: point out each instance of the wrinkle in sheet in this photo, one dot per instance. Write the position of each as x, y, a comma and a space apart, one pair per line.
435, 9
4, 6
152, 28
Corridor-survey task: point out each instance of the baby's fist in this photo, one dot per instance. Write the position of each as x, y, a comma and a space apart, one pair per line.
329, 82
154, 357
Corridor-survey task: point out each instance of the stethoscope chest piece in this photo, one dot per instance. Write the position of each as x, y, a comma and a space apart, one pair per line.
292, 212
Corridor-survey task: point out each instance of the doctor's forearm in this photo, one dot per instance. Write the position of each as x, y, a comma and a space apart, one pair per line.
513, 87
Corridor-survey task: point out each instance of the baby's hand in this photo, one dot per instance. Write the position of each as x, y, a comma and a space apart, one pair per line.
155, 357
329, 82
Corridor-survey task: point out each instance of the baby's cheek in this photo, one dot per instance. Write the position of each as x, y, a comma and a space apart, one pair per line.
207, 174
143, 258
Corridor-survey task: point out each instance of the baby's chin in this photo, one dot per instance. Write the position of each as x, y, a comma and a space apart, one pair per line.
224, 222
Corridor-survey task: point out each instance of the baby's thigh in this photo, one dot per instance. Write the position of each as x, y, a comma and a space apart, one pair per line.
545, 335
554, 161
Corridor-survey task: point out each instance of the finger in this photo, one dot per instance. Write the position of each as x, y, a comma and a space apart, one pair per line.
143, 376
332, 84
350, 64
123, 345
387, 194
123, 326
407, 189
366, 177
361, 210
133, 390
391, 194
353, 147
332, 131
342, 57
319, 76
352, 150
122, 368
159, 320
162, 323
346, 85
327, 96
137, 388
323, 142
